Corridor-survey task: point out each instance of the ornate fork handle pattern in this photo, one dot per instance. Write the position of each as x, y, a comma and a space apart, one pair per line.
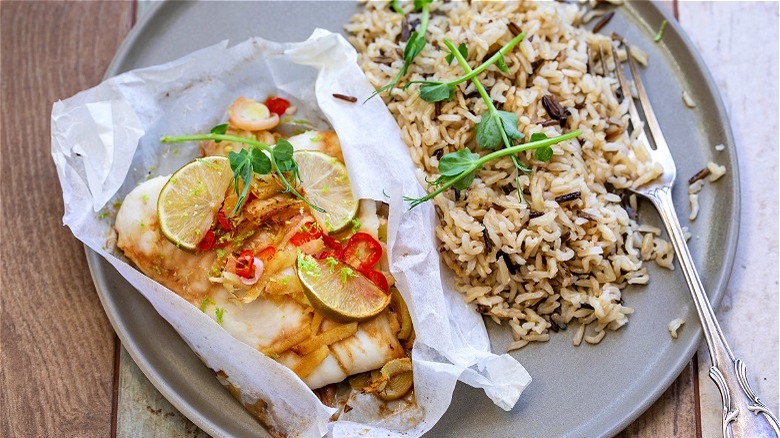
744, 415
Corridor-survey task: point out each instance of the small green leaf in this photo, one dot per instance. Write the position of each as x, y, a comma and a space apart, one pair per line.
219, 312
283, 150
396, 7
287, 166
509, 122
501, 63
488, 132
455, 163
246, 176
437, 92
449, 58
414, 46
219, 129
544, 153
536, 136
419, 4
260, 162
236, 159
462, 49
464, 183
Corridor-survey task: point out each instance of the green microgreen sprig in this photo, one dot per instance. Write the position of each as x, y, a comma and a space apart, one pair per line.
414, 45
260, 158
495, 129
457, 169
396, 7
436, 91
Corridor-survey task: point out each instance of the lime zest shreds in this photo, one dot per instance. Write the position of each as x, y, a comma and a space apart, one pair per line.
309, 266
207, 163
660, 33
206, 303
346, 273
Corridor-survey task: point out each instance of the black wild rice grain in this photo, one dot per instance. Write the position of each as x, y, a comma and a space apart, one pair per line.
352, 99
603, 22
568, 197
487, 239
699, 175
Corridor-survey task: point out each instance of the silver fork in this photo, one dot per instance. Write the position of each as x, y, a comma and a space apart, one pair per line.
744, 415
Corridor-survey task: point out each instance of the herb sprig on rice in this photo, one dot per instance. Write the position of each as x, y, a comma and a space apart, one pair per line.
414, 45
495, 128
457, 168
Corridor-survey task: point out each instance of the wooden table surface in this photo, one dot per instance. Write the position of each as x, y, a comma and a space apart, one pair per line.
62, 370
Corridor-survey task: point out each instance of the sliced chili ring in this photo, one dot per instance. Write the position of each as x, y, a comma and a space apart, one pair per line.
223, 221
245, 264
277, 105
333, 248
306, 234
207, 242
377, 278
267, 254
362, 251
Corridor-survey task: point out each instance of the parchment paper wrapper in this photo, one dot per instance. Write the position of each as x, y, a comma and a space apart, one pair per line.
105, 141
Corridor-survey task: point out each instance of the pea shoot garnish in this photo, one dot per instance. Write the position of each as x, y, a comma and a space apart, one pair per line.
457, 169
496, 129
414, 45
260, 158
436, 91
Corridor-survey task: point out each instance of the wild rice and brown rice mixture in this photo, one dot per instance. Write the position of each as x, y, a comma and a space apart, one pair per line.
566, 253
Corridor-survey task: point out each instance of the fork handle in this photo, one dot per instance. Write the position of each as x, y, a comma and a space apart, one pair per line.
744, 415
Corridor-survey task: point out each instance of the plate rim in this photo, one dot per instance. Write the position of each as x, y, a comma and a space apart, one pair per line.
645, 9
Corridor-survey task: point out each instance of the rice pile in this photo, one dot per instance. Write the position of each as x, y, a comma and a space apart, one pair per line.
545, 263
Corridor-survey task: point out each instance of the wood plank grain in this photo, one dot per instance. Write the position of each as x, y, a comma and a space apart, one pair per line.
142, 410
673, 415
57, 346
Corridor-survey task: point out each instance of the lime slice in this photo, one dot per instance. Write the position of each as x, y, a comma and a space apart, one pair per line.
326, 185
190, 199
338, 291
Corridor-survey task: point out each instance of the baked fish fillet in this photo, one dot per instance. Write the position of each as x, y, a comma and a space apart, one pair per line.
271, 323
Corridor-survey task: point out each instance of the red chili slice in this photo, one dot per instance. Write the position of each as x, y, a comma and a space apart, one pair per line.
245, 264
207, 242
224, 222
334, 249
277, 105
362, 251
308, 233
377, 278
267, 254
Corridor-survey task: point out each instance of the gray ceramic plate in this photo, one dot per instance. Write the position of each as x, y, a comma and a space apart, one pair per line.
581, 391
